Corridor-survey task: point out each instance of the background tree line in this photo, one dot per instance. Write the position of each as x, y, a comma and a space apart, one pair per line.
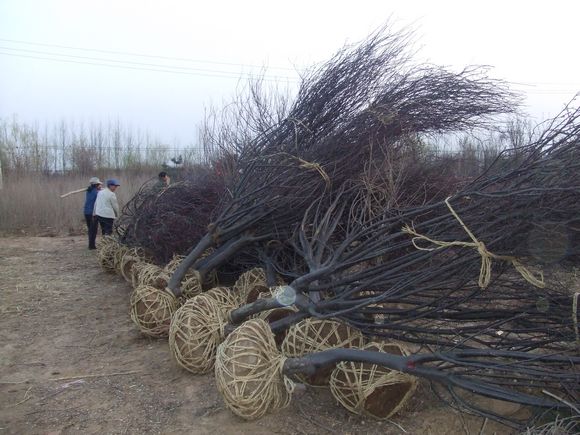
68, 148
38, 164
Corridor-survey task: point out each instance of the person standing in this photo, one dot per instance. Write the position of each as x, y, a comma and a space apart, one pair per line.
90, 197
106, 210
163, 180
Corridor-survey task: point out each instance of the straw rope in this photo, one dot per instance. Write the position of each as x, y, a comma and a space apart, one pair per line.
486, 256
136, 272
314, 335
372, 390
250, 284
107, 251
304, 164
174, 263
316, 166
248, 371
191, 284
225, 297
197, 328
128, 260
152, 309
151, 275
118, 255
274, 292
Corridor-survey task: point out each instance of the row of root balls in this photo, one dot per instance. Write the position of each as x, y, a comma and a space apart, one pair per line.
248, 363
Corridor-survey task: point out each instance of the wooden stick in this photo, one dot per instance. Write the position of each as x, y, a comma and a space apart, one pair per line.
73, 377
84, 189
94, 376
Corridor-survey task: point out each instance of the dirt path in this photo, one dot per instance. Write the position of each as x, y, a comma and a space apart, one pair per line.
71, 361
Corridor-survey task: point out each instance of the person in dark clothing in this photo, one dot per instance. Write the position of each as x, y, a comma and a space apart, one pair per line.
163, 181
90, 198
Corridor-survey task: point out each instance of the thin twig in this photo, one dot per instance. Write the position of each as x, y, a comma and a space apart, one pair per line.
565, 402
73, 377
396, 424
26, 398
483, 426
95, 376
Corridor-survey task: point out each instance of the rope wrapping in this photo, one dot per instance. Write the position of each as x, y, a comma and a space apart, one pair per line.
129, 258
174, 263
151, 275
248, 371
486, 256
107, 252
314, 335
197, 328
276, 313
152, 309
251, 284
191, 285
372, 390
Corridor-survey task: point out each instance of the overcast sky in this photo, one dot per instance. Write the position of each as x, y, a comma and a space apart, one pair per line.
92, 61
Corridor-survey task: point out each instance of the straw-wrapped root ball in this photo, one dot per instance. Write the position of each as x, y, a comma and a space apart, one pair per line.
107, 253
152, 309
248, 371
225, 297
151, 275
313, 335
197, 328
276, 314
126, 265
174, 263
191, 285
372, 390
250, 284
136, 271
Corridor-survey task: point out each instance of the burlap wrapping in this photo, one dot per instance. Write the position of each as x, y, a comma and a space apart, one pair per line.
313, 335
372, 390
248, 371
152, 309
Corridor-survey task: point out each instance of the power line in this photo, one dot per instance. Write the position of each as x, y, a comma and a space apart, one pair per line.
160, 69
170, 67
202, 72
126, 53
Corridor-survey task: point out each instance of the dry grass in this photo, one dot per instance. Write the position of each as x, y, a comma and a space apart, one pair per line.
33, 206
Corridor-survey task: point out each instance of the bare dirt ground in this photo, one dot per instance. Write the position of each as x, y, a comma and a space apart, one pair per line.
71, 361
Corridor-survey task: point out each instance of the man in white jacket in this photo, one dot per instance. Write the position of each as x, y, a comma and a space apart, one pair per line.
106, 209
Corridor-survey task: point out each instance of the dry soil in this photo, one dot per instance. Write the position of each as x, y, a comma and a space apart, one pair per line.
71, 361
